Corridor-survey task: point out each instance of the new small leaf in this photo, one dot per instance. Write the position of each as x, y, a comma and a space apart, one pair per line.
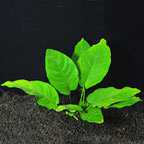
81, 47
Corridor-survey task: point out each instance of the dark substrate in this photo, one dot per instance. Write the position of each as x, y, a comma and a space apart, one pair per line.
23, 122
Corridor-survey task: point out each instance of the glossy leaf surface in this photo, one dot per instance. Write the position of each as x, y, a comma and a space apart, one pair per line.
94, 64
93, 115
70, 107
104, 97
81, 47
61, 71
44, 92
131, 101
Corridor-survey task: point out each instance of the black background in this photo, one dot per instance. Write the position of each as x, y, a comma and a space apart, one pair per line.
28, 27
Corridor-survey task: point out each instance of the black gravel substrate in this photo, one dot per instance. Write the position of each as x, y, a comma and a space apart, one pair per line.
24, 122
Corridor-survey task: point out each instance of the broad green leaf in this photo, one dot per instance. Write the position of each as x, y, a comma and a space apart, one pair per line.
44, 92
47, 102
126, 103
104, 97
93, 115
61, 71
94, 64
70, 107
80, 47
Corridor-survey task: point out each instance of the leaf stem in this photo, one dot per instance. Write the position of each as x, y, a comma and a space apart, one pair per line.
82, 98
83, 91
70, 97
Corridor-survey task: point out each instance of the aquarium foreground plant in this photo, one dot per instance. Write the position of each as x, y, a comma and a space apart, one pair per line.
87, 67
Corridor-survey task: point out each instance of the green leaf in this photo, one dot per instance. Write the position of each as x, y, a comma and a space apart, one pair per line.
126, 103
80, 47
72, 114
44, 92
104, 97
70, 107
93, 115
61, 71
94, 64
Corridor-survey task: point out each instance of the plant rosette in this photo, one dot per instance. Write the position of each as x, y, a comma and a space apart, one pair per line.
87, 67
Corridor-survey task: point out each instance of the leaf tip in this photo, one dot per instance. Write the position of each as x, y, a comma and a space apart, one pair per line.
82, 40
101, 121
7, 83
103, 41
48, 49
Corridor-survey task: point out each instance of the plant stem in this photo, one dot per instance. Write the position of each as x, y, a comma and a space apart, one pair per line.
82, 98
83, 91
70, 98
